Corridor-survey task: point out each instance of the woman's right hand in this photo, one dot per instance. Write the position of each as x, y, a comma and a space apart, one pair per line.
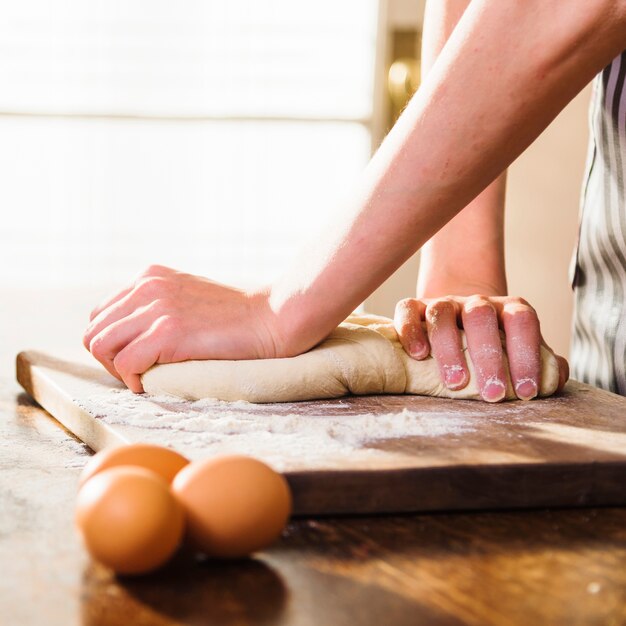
482, 318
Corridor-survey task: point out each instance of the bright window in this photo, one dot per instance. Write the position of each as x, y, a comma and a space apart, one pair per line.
211, 136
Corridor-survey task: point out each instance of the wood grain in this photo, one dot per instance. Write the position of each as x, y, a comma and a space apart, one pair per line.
564, 451
514, 568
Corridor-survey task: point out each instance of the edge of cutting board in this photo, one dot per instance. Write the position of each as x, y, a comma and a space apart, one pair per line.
459, 488
56, 401
350, 491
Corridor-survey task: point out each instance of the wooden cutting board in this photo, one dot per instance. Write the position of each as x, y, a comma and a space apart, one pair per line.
375, 454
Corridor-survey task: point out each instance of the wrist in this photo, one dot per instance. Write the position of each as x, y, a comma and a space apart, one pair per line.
274, 339
442, 283
288, 326
301, 317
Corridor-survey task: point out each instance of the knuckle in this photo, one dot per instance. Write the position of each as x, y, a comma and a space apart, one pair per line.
145, 273
526, 312
479, 305
154, 269
517, 300
522, 315
405, 306
440, 308
408, 313
98, 346
123, 362
161, 305
87, 337
515, 305
167, 325
149, 286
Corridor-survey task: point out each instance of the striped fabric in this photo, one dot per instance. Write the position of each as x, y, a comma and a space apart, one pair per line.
598, 354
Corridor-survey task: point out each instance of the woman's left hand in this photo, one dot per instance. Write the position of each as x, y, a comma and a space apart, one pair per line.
482, 318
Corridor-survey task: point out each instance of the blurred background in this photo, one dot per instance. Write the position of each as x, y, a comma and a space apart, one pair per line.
214, 137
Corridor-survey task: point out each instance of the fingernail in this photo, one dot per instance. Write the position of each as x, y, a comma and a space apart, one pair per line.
494, 390
526, 389
454, 376
417, 349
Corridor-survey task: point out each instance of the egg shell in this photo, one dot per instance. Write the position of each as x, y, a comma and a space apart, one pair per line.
129, 519
164, 461
234, 505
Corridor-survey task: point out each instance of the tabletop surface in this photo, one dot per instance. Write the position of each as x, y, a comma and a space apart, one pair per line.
505, 568
367, 454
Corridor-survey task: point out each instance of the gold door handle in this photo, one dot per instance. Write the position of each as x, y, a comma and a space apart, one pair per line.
403, 80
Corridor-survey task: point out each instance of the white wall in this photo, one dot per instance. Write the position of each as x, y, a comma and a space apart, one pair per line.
542, 219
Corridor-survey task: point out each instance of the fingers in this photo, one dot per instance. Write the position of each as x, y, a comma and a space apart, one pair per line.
150, 272
111, 300
445, 342
105, 345
136, 358
482, 318
171, 316
484, 344
145, 351
126, 352
122, 334
146, 292
523, 346
408, 318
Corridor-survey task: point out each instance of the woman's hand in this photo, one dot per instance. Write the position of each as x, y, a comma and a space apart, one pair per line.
482, 318
167, 316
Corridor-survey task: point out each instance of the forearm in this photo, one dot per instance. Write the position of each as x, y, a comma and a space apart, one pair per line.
477, 110
467, 255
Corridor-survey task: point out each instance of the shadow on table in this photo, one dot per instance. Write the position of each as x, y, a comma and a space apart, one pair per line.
247, 591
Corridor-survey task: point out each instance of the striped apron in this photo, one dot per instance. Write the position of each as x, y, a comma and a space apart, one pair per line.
598, 353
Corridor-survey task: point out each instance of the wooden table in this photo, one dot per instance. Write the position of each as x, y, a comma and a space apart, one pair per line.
541, 567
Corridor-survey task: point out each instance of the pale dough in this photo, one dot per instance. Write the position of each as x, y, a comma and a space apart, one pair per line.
361, 356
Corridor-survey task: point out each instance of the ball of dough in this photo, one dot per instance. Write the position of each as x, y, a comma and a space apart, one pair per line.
362, 356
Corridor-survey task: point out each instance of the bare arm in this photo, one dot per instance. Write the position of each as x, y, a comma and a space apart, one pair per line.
505, 73
467, 255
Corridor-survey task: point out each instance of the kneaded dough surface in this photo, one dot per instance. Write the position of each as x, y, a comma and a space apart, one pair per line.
361, 356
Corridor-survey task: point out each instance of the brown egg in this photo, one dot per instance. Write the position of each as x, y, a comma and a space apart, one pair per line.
164, 461
234, 505
129, 519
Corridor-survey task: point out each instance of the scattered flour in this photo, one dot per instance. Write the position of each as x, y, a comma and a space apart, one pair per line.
311, 435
